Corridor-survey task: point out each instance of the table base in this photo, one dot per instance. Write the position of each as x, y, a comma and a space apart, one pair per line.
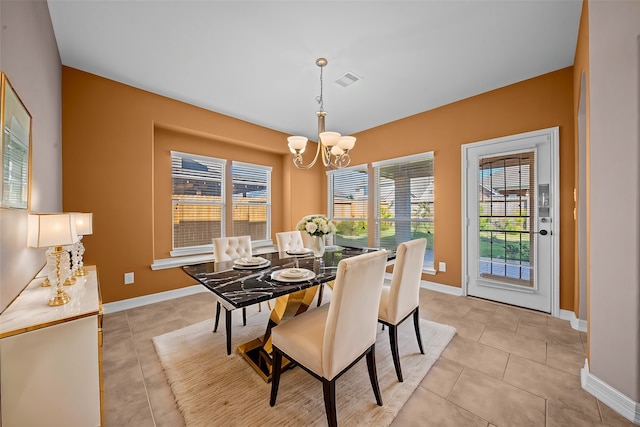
258, 358
258, 351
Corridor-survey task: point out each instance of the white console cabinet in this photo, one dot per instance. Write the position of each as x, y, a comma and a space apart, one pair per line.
51, 357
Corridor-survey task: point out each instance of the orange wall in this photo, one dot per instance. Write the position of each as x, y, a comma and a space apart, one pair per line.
110, 159
115, 140
542, 102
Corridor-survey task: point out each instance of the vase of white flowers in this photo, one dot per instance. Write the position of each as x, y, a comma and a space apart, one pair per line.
317, 227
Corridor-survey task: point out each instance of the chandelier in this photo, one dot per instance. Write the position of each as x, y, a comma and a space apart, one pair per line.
333, 146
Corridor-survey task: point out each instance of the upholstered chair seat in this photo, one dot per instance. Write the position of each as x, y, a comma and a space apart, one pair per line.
328, 340
400, 300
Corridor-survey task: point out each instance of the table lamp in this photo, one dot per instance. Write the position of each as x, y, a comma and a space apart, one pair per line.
84, 227
54, 231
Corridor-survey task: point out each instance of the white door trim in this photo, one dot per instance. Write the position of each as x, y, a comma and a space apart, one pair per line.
554, 138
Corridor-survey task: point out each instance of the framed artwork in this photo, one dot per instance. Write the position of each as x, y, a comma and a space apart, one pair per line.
15, 149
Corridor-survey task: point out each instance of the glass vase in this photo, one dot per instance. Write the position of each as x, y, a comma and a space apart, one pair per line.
317, 246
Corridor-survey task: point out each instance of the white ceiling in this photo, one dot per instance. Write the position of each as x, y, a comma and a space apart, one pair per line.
255, 60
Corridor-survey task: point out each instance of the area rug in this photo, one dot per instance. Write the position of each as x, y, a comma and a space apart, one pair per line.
212, 388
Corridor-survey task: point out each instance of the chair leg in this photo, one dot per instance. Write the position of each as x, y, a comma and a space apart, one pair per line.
329, 391
215, 327
373, 375
393, 341
227, 316
244, 316
320, 293
275, 379
416, 324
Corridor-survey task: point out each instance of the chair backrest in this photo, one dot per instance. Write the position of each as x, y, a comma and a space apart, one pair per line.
404, 294
288, 240
228, 248
353, 311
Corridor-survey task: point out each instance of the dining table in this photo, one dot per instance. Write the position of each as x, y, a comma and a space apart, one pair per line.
290, 279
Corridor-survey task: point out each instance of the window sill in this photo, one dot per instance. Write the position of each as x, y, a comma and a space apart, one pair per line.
178, 261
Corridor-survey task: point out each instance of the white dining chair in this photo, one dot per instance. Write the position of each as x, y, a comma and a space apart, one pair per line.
289, 240
400, 300
328, 340
227, 249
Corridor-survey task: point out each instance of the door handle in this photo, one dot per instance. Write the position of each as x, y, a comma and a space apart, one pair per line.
543, 232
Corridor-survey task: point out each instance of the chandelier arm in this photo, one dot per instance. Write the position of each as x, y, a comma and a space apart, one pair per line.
297, 160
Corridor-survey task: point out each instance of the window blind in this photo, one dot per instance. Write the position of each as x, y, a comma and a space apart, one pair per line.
197, 199
251, 200
348, 205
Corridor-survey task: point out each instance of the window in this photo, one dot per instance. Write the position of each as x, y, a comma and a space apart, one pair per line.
197, 199
504, 218
403, 202
251, 200
348, 205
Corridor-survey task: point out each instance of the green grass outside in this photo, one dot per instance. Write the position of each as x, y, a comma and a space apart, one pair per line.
508, 249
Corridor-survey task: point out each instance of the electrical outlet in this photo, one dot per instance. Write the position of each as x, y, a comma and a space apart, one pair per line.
128, 278
442, 266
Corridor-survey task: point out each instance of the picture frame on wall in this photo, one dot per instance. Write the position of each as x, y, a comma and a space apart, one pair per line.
15, 148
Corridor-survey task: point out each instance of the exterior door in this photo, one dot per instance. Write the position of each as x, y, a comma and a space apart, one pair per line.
511, 220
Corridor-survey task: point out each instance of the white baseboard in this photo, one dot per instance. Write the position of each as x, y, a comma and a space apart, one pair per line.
445, 289
611, 397
577, 324
130, 303
127, 304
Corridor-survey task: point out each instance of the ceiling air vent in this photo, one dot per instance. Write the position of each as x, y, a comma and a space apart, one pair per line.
347, 79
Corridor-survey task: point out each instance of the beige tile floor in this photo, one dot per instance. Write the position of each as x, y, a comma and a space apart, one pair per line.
505, 367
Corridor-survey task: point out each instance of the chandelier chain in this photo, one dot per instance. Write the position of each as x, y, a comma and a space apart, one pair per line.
320, 98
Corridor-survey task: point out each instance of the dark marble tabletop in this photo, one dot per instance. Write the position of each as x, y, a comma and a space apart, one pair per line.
241, 288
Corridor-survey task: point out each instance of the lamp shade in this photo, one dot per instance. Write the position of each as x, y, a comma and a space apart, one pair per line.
329, 139
46, 230
347, 142
297, 143
84, 225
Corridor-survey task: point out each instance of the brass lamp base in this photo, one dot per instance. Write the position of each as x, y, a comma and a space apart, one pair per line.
45, 283
70, 281
60, 298
81, 272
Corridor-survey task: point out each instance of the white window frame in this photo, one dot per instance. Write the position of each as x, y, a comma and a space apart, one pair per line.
330, 188
427, 268
268, 170
192, 250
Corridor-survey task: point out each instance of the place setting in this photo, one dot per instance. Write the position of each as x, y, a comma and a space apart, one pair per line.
251, 263
290, 275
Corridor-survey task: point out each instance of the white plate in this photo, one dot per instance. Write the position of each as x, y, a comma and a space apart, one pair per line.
298, 251
293, 273
250, 261
265, 264
276, 275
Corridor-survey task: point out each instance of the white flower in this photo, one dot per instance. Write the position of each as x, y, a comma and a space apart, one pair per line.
311, 227
316, 226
